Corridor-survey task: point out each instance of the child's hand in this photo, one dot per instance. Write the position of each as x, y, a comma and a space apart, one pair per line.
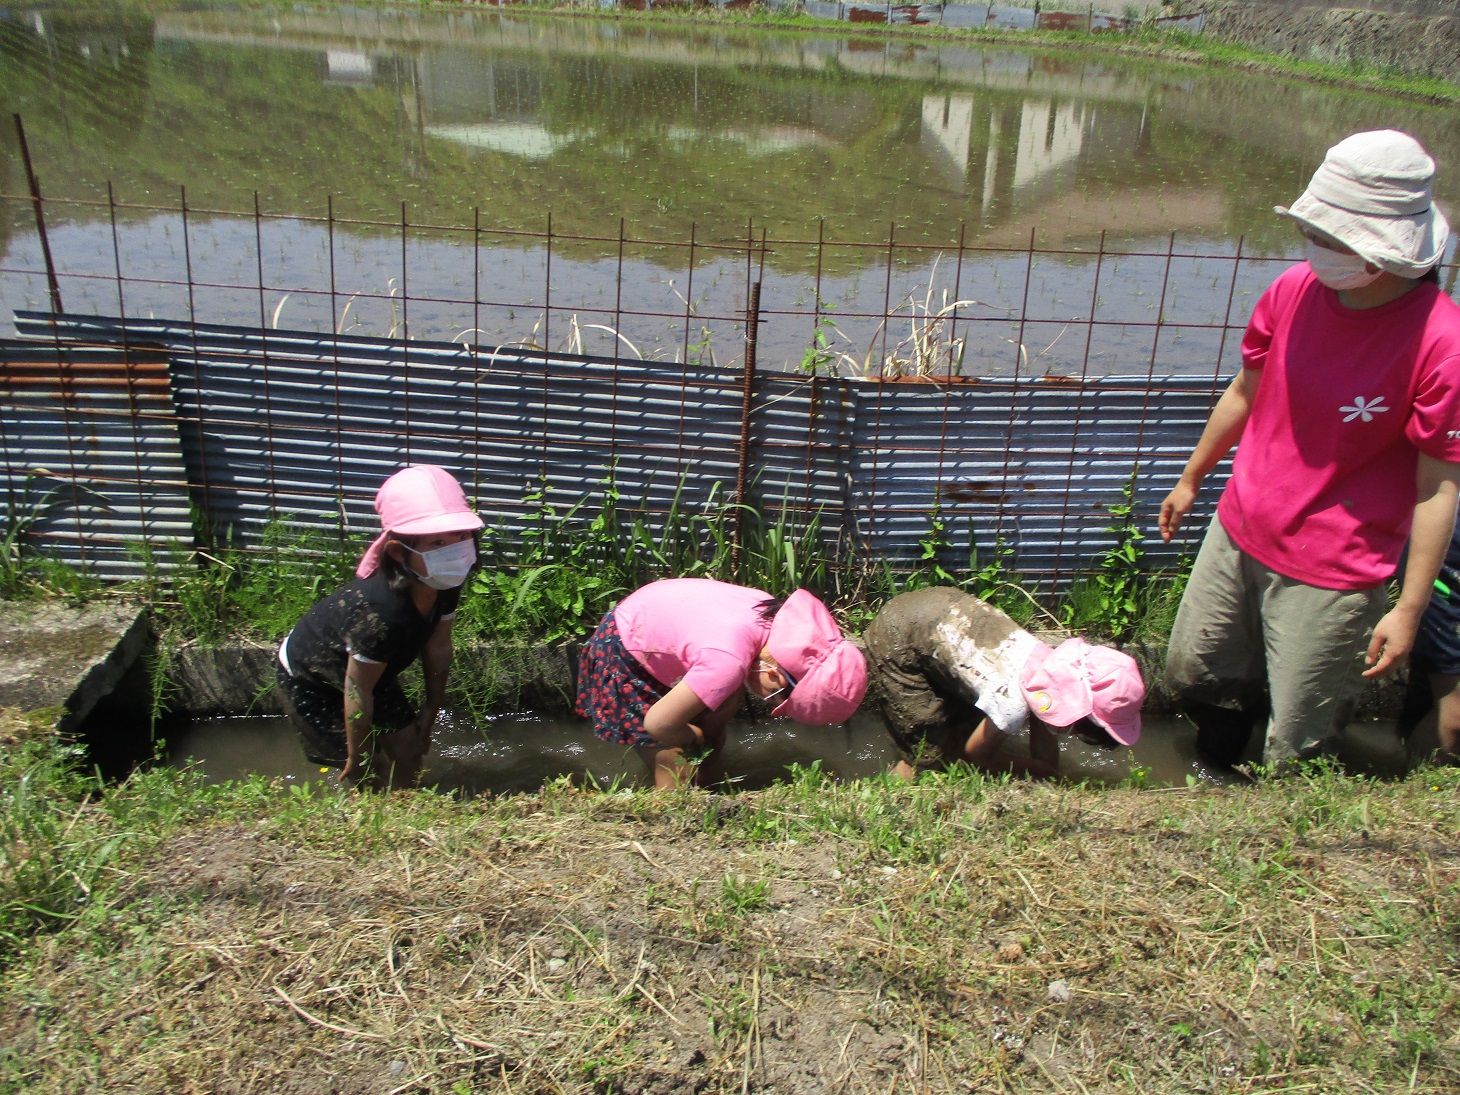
419, 732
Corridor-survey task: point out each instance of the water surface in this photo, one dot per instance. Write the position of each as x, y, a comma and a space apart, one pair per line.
479, 129
522, 752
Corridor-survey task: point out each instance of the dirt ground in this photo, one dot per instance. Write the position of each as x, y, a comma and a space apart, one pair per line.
257, 970
1031, 938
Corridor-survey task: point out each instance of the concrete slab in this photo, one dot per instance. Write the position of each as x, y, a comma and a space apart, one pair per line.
65, 658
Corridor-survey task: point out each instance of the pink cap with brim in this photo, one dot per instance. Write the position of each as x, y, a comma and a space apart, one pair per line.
417, 501
1076, 680
830, 672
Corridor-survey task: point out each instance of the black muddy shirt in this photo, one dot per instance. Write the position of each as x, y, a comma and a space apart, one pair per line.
367, 619
936, 654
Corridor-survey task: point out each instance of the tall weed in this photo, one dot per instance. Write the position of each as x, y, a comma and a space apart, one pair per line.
23, 571
553, 578
53, 855
208, 595
1111, 600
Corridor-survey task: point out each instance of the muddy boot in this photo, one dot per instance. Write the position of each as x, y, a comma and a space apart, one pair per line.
1419, 701
1222, 733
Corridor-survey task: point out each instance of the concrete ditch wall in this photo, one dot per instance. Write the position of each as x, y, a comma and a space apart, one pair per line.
1415, 37
237, 678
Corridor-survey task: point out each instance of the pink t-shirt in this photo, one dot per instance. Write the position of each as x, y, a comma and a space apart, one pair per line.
696, 630
1323, 482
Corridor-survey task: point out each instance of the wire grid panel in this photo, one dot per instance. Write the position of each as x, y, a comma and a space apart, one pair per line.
302, 427
1033, 468
91, 464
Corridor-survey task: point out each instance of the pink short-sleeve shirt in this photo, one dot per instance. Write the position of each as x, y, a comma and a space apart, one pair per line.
1323, 482
698, 631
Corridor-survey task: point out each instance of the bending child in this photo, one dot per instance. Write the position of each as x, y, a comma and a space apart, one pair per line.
339, 665
954, 677
669, 666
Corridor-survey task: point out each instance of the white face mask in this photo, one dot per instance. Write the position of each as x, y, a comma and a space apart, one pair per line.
1339, 271
446, 567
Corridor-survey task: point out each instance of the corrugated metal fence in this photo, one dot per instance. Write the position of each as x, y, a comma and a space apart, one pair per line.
255, 425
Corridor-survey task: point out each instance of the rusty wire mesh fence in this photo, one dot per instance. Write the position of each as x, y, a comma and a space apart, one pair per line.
177, 374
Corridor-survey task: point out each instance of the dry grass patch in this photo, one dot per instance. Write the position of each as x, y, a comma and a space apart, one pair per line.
961, 934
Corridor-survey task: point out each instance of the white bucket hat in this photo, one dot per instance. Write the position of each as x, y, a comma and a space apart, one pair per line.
1374, 194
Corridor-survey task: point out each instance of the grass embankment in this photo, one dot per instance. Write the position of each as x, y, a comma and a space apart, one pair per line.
964, 933
1146, 40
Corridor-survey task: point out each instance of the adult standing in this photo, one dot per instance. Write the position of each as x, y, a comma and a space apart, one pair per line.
1346, 418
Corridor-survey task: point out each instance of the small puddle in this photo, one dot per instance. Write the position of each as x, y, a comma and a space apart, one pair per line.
521, 752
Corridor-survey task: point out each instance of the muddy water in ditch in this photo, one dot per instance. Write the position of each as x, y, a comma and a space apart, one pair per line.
521, 752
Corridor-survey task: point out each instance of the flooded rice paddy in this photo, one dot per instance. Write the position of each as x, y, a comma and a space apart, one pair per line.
520, 753
407, 166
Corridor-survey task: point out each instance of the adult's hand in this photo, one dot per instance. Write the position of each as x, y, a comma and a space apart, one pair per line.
1392, 640
1175, 508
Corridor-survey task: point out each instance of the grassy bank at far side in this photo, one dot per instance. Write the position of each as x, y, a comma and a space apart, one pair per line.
961, 933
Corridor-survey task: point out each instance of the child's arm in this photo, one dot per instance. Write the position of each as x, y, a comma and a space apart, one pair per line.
672, 720
713, 724
1044, 750
435, 666
360, 681
984, 744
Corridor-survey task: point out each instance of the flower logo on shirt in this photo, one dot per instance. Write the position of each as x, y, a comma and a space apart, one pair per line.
1363, 408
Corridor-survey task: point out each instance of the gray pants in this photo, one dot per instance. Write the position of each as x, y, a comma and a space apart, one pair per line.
1242, 628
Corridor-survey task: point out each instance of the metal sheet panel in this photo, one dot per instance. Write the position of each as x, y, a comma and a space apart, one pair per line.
91, 467
305, 427
1032, 467
301, 426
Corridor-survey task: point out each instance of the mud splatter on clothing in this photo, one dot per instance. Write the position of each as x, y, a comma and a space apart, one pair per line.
940, 660
318, 713
367, 619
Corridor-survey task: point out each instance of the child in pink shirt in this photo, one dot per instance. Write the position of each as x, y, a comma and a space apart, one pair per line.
667, 669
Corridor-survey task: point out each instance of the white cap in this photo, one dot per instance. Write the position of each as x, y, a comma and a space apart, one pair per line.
1374, 193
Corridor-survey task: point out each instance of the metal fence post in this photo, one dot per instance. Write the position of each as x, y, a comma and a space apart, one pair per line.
747, 397
40, 218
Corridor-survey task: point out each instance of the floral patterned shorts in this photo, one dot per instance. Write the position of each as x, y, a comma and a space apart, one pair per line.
614, 690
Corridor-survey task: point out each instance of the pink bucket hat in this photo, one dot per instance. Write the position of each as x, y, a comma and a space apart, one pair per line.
417, 501
830, 672
1076, 680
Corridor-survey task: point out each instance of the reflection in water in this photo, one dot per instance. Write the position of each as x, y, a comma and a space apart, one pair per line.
433, 116
522, 752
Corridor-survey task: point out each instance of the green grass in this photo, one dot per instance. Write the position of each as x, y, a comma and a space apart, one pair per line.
570, 561
1290, 935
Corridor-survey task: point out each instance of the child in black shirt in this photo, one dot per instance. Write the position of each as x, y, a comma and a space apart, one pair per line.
339, 665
